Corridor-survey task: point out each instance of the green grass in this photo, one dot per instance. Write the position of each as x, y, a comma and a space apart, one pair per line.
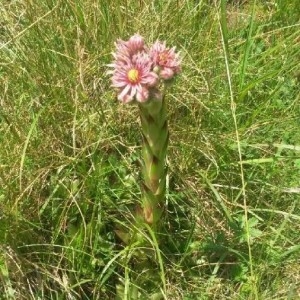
69, 172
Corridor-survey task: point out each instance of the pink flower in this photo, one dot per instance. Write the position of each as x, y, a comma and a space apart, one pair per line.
133, 77
136, 69
165, 60
134, 45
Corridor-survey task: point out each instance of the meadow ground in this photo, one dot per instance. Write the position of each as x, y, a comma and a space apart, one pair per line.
69, 151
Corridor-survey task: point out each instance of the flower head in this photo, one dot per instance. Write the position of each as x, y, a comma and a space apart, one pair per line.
136, 69
133, 78
165, 60
135, 44
129, 48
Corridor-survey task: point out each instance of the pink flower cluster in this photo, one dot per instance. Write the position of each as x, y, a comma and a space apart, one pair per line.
137, 70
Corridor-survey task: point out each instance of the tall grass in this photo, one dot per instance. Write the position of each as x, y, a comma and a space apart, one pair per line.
69, 161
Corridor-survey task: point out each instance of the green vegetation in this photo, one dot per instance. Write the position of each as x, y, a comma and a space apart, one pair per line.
69, 156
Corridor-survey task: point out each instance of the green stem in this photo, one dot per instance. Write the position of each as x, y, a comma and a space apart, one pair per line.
155, 141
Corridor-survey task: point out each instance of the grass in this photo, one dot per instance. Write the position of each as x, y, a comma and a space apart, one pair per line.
69, 173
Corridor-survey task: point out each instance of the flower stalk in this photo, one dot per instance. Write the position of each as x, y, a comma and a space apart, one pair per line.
138, 74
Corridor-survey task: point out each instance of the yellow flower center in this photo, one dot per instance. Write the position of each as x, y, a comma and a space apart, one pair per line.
163, 57
133, 75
